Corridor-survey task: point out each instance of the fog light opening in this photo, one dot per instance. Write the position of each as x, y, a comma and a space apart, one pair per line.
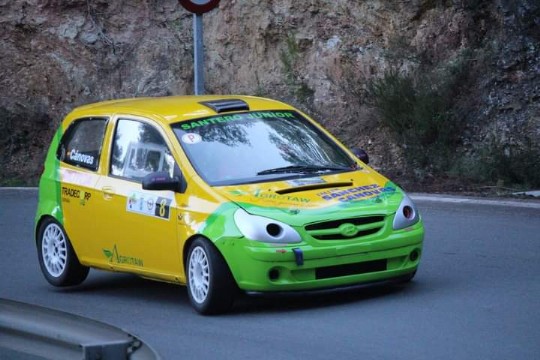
414, 255
273, 274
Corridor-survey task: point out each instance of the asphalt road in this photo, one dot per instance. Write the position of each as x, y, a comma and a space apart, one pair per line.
476, 296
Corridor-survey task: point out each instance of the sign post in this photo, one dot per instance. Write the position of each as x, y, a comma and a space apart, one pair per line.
198, 7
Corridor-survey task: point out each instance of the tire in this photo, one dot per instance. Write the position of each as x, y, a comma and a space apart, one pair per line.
57, 260
211, 287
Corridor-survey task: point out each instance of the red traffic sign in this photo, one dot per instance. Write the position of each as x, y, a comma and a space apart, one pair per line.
199, 6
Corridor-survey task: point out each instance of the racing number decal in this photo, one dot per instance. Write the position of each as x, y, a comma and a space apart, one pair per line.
149, 205
162, 208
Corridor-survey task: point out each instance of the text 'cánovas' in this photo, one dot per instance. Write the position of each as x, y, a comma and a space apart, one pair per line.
75, 155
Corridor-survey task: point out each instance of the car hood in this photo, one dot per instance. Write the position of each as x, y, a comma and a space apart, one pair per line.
309, 199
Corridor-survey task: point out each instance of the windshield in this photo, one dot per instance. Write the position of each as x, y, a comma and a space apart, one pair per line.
258, 146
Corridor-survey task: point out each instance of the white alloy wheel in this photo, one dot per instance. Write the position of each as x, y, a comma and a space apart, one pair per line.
211, 287
57, 259
54, 250
199, 274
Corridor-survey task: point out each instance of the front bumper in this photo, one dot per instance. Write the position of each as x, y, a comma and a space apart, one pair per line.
323, 265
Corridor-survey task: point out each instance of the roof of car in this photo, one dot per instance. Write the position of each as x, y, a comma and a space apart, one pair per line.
174, 108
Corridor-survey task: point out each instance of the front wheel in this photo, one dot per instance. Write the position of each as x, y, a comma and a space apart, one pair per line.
57, 260
210, 285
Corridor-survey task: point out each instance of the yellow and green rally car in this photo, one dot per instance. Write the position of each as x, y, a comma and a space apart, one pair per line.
220, 193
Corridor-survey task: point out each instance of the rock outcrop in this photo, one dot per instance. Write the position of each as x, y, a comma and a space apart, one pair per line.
319, 55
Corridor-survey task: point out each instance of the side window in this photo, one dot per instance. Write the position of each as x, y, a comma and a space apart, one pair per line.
138, 150
81, 144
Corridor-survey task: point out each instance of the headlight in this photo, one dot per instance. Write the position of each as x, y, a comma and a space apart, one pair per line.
265, 229
406, 214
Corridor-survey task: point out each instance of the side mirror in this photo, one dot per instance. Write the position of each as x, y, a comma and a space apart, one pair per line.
361, 154
161, 180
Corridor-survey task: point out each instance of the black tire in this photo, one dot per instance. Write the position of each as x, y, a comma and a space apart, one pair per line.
57, 260
211, 287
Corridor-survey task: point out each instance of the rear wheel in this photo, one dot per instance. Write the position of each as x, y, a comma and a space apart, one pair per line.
211, 287
57, 259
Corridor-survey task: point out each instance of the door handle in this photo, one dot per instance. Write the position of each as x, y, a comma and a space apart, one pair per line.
108, 192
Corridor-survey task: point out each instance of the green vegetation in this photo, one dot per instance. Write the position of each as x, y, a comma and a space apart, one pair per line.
504, 164
515, 166
419, 110
289, 58
422, 112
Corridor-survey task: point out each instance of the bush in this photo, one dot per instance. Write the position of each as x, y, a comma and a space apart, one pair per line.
419, 110
513, 165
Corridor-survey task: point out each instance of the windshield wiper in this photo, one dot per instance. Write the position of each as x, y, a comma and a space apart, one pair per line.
302, 169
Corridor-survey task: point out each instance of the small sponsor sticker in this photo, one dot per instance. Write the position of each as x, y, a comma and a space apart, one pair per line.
68, 192
149, 205
356, 193
76, 177
191, 138
114, 257
308, 181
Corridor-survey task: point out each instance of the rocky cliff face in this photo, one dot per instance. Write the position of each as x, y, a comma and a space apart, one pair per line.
319, 55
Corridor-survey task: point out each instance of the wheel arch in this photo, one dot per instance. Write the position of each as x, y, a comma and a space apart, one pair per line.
40, 221
72, 272
187, 246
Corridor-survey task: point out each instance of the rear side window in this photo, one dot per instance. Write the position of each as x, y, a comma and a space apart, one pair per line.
81, 144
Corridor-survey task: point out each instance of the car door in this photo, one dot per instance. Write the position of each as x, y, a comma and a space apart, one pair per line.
138, 228
79, 154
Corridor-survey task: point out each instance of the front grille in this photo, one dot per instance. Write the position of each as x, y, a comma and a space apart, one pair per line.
345, 229
350, 269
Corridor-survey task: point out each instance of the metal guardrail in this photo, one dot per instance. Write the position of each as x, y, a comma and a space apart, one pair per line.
50, 334
465, 200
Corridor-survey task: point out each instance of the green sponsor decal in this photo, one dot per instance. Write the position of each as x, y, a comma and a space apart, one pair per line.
269, 115
226, 118
115, 257
262, 195
271, 196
